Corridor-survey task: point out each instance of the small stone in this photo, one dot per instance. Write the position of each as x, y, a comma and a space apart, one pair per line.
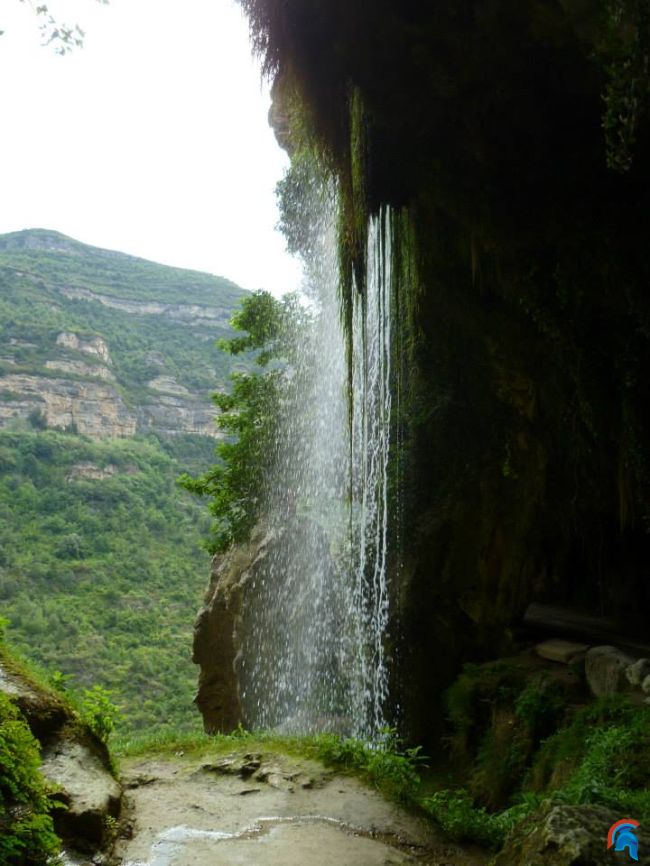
562, 651
605, 669
637, 672
235, 765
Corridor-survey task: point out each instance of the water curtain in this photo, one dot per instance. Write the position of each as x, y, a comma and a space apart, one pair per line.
313, 656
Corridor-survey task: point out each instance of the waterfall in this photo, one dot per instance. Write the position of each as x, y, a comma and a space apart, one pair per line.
370, 450
313, 654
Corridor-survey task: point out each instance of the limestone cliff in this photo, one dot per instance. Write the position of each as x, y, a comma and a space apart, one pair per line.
107, 345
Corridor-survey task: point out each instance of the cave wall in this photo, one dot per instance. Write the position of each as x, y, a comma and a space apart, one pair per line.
511, 139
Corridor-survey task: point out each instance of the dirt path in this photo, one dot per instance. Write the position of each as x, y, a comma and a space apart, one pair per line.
268, 810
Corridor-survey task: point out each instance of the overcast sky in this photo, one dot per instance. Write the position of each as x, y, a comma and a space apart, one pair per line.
152, 139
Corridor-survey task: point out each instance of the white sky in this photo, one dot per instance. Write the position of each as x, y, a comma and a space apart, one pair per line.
152, 139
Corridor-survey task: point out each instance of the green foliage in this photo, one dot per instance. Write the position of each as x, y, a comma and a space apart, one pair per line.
388, 765
303, 195
238, 484
454, 811
530, 745
99, 712
99, 577
540, 706
601, 756
27, 836
627, 92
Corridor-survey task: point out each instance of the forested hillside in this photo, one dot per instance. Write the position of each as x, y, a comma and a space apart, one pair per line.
82, 326
101, 567
107, 365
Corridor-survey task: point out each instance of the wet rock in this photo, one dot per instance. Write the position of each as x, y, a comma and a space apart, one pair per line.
140, 781
215, 640
559, 835
605, 669
235, 765
87, 789
563, 651
637, 672
645, 685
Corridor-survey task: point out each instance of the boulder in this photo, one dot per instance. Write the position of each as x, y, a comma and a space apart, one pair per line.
74, 760
637, 672
561, 835
558, 650
86, 788
645, 685
216, 645
605, 669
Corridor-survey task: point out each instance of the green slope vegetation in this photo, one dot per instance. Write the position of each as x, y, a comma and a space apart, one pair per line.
101, 563
100, 576
57, 258
37, 267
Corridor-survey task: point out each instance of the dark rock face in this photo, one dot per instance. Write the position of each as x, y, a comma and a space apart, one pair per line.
523, 302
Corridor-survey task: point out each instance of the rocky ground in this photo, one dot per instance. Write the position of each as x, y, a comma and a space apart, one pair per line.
266, 809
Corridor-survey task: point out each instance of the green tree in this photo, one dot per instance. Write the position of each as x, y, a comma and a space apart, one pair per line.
237, 484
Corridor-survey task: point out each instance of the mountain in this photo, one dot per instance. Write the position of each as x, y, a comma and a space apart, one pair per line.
107, 363
107, 344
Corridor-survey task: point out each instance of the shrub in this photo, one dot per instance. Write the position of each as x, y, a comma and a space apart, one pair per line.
27, 835
389, 766
98, 711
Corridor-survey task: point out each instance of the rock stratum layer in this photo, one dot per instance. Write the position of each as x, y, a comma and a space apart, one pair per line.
107, 345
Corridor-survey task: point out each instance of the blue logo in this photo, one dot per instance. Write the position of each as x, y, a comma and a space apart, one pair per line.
622, 837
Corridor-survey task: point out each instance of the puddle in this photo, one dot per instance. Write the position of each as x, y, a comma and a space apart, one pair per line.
309, 840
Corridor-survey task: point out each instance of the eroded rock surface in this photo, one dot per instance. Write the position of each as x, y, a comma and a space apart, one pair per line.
87, 789
74, 760
605, 669
558, 835
186, 814
215, 641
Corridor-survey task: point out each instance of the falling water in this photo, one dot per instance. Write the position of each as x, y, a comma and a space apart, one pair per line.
314, 631
370, 447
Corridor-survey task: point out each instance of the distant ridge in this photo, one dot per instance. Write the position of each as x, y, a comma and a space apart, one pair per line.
126, 276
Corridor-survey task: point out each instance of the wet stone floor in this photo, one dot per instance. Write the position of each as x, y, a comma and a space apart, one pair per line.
268, 810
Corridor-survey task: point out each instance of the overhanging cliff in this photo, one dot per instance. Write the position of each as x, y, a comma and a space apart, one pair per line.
511, 141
